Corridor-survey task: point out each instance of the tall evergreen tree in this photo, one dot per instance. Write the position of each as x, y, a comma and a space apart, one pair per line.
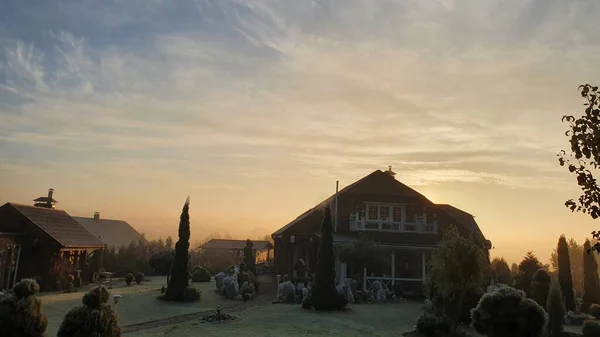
178, 282
565, 277
555, 307
527, 269
324, 296
249, 258
591, 284
501, 271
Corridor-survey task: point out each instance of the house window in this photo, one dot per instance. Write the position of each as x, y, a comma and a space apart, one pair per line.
373, 213
398, 213
387, 214
384, 213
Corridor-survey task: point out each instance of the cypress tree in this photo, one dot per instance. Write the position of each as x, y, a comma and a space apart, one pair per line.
324, 295
178, 282
540, 287
555, 307
249, 258
591, 284
565, 277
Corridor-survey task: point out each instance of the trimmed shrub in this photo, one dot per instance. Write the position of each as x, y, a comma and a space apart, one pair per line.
507, 312
591, 328
70, 287
139, 277
427, 325
129, 278
21, 313
201, 275
192, 294
594, 310
244, 277
94, 318
540, 287
555, 306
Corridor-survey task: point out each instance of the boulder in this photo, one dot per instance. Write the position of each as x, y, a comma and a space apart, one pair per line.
287, 291
231, 286
219, 279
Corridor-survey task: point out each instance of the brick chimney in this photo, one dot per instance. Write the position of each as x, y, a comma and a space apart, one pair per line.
390, 172
46, 202
96, 215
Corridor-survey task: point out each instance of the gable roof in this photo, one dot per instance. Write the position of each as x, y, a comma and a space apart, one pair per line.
235, 244
399, 189
466, 220
112, 232
385, 183
58, 225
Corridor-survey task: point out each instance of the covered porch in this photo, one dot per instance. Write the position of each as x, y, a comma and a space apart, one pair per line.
405, 269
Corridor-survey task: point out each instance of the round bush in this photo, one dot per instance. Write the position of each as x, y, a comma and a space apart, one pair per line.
201, 275
70, 278
21, 313
129, 278
94, 318
139, 277
26, 287
591, 328
594, 310
507, 312
192, 294
96, 297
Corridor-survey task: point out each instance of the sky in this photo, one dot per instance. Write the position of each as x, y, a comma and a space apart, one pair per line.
255, 108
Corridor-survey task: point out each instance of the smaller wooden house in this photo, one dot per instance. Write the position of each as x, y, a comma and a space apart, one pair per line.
262, 249
31, 236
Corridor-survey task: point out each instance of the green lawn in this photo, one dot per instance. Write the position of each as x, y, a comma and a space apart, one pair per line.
259, 318
138, 304
290, 320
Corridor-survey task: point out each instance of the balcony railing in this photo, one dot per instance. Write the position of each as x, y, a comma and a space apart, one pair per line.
418, 227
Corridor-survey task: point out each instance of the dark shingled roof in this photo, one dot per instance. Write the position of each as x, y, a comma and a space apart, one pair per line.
462, 218
235, 244
393, 187
397, 188
112, 232
59, 225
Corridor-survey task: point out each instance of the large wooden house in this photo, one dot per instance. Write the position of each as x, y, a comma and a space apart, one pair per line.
400, 219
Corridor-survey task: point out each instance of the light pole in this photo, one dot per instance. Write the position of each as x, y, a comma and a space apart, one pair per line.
278, 279
116, 298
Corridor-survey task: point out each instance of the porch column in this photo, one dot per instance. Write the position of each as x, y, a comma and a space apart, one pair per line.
338, 269
365, 279
423, 265
393, 267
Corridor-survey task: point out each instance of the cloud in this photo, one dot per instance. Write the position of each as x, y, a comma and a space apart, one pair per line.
449, 91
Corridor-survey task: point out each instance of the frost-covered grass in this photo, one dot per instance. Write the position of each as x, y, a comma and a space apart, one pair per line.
138, 304
290, 320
